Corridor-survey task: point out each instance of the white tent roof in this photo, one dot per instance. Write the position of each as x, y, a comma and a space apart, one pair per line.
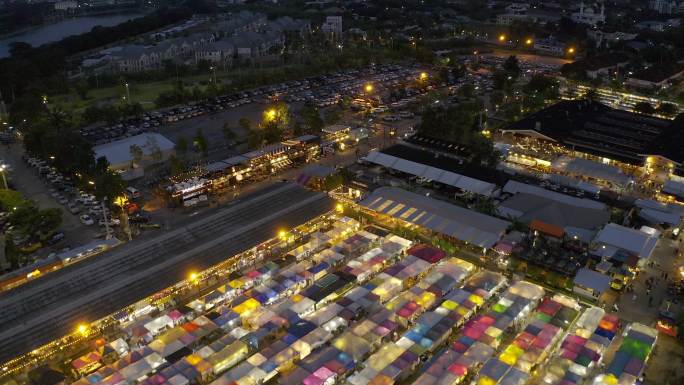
436, 174
514, 187
625, 238
119, 151
460, 223
590, 168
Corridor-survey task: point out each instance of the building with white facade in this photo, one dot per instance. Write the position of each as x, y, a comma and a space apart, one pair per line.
332, 26
589, 15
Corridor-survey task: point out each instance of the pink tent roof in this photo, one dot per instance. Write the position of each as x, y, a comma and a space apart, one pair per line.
323, 373
175, 315
312, 380
254, 274
457, 369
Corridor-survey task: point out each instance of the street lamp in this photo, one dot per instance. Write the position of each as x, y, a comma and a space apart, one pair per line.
423, 76
571, 50
194, 277
128, 93
368, 88
528, 41
3, 167
339, 208
82, 329
502, 38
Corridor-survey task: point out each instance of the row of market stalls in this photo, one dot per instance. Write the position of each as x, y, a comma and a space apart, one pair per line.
582, 350
482, 335
395, 359
311, 317
532, 346
265, 161
629, 362
175, 338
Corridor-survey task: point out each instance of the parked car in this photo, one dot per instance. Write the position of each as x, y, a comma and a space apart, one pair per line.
86, 220
56, 238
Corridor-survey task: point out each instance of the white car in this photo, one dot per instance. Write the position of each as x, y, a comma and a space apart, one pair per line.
86, 220
112, 222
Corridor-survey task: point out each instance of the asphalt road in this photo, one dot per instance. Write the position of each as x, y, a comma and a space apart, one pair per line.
48, 308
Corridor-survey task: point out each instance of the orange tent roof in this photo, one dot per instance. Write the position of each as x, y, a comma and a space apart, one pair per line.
547, 228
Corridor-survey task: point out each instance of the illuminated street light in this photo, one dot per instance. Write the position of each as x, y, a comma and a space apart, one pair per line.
90, 182
82, 329
369, 87
339, 208
571, 50
423, 76
528, 42
194, 277
271, 114
282, 234
502, 38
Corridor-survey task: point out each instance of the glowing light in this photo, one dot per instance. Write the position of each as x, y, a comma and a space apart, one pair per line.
82, 329
423, 75
194, 276
571, 50
339, 208
528, 42
502, 37
368, 88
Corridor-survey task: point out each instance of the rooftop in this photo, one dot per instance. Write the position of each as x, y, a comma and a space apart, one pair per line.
119, 151
631, 240
597, 129
527, 207
458, 222
592, 279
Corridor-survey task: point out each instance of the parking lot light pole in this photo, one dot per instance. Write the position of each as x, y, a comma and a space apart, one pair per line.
4, 179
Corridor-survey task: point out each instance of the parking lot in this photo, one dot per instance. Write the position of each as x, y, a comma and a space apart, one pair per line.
37, 189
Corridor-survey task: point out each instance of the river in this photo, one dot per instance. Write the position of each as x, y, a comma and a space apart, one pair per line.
57, 31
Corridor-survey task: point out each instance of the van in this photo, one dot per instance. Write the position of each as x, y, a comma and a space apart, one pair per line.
132, 192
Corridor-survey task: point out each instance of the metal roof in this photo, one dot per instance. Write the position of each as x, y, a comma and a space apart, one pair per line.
592, 279
632, 240
460, 223
432, 173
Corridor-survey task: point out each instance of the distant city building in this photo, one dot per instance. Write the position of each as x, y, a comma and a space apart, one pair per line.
550, 46
663, 6
589, 16
610, 37
65, 5
333, 26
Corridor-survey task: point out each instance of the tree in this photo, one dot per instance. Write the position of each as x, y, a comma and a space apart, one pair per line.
467, 91
332, 116
200, 142
176, 165
9, 199
245, 123
254, 138
512, 67
667, 109
496, 98
182, 146
644, 108
312, 117
228, 134
109, 185
136, 155
82, 87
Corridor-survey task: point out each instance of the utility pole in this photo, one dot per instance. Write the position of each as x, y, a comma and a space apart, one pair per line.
104, 215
